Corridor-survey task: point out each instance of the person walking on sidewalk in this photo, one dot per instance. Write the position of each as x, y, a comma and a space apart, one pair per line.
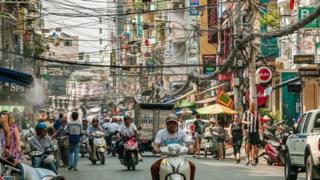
198, 135
75, 132
236, 135
252, 119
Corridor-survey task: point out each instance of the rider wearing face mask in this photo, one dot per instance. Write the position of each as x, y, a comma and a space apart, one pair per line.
170, 135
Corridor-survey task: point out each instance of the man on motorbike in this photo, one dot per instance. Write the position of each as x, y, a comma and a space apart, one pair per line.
91, 129
42, 142
106, 126
170, 135
85, 124
127, 129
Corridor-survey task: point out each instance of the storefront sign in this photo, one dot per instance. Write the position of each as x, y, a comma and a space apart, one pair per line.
113, 58
304, 59
261, 98
264, 74
305, 12
11, 108
209, 62
193, 10
303, 72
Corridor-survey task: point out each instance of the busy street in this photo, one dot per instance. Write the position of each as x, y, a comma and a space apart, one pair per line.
207, 169
159, 90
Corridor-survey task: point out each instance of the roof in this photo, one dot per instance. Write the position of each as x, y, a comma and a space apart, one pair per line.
156, 106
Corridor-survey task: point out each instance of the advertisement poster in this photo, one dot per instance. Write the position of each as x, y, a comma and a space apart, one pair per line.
193, 10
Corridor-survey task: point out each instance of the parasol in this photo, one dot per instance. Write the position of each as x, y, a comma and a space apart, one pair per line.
216, 109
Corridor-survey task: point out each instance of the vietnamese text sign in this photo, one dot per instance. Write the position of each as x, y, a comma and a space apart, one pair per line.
305, 12
309, 72
304, 59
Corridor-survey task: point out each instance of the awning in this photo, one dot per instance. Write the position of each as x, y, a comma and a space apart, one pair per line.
211, 99
10, 76
285, 83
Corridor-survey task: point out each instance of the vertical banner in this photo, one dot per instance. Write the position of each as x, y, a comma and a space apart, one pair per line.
113, 58
193, 5
212, 21
139, 25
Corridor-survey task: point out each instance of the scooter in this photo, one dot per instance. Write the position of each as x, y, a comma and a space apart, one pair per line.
98, 153
131, 152
173, 166
48, 157
113, 148
84, 148
23, 171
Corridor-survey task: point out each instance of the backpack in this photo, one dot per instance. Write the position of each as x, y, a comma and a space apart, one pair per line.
199, 128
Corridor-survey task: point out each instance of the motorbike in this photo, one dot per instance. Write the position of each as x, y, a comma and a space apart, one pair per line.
274, 144
131, 153
174, 166
49, 156
98, 152
113, 148
26, 136
84, 148
25, 172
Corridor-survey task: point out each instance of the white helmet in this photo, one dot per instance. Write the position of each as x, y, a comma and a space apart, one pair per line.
49, 159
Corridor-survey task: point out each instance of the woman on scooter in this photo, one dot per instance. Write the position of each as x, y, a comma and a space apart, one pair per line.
236, 135
41, 142
170, 135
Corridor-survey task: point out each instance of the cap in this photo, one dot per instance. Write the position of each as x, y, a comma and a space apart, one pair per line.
172, 117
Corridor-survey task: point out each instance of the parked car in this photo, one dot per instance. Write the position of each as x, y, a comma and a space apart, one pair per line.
303, 148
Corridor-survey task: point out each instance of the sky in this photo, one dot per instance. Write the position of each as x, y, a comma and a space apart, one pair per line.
58, 13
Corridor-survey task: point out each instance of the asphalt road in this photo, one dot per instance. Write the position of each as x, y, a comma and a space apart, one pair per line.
207, 169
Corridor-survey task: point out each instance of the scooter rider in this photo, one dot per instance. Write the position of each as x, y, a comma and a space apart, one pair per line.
170, 135
127, 129
91, 129
41, 142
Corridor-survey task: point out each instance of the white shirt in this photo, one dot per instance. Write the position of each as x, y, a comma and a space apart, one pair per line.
164, 138
106, 127
128, 132
113, 127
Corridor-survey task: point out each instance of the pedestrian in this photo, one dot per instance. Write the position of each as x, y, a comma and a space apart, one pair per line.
15, 143
106, 126
236, 135
57, 123
218, 132
5, 139
62, 136
198, 135
252, 119
75, 131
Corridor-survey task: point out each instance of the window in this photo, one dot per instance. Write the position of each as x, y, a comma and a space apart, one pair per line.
100, 20
100, 30
67, 43
306, 124
317, 122
301, 122
81, 56
100, 41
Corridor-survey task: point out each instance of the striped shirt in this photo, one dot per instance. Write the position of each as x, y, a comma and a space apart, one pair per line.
75, 130
253, 120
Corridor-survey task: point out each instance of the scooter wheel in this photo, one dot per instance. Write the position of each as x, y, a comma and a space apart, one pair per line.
128, 167
269, 162
133, 168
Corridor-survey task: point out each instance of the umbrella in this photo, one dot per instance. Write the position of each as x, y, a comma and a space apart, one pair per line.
185, 103
216, 109
184, 112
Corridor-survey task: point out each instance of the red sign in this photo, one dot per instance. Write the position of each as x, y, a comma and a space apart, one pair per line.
264, 74
225, 77
261, 99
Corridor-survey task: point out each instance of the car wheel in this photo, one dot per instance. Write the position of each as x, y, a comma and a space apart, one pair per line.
310, 170
290, 171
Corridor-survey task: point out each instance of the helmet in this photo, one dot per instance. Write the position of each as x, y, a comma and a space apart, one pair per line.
41, 126
49, 159
172, 117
